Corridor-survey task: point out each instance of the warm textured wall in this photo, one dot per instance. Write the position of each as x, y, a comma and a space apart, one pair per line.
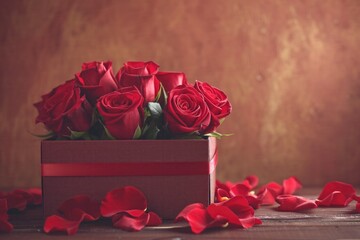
290, 68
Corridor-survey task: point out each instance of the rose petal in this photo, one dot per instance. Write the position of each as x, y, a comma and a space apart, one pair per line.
56, 223
170, 80
199, 220
269, 192
154, 219
293, 203
240, 190
290, 185
184, 213
254, 201
337, 194
233, 214
122, 199
251, 181
79, 208
16, 200
218, 211
222, 195
239, 205
125, 221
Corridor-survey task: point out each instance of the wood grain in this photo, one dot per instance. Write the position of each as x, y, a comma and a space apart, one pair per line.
290, 69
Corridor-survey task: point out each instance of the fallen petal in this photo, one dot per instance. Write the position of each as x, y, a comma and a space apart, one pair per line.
337, 194
122, 199
80, 208
293, 203
56, 223
126, 222
154, 220
291, 185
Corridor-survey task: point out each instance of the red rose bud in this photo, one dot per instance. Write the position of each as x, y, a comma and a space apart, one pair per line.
96, 79
122, 112
171, 80
186, 111
64, 108
141, 75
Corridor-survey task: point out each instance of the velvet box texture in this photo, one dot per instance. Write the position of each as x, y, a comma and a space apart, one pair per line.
171, 173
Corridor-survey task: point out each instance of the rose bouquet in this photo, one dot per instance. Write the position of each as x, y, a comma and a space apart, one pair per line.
139, 102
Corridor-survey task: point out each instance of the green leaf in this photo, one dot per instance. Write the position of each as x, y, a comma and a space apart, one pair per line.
217, 135
79, 135
164, 93
155, 109
45, 136
137, 133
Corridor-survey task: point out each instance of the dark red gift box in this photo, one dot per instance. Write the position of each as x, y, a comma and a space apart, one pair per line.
171, 173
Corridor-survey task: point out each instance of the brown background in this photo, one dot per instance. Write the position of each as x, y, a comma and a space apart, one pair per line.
290, 68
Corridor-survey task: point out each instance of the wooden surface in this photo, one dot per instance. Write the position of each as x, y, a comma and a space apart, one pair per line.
290, 69
320, 223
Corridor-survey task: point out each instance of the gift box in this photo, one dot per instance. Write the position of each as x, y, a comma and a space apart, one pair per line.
171, 173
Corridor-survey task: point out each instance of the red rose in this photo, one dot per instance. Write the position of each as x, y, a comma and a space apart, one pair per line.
216, 99
170, 80
141, 75
64, 108
96, 79
122, 112
186, 111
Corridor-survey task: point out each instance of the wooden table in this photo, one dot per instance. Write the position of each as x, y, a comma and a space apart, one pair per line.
320, 223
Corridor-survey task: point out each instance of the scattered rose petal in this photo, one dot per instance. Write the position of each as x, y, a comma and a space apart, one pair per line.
79, 208
127, 207
73, 211
269, 192
336, 194
154, 219
122, 199
129, 222
239, 190
251, 181
291, 185
293, 203
16, 201
235, 212
57, 223
135, 220
198, 218
274, 189
222, 195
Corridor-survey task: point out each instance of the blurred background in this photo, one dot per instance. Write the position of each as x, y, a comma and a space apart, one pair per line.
290, 68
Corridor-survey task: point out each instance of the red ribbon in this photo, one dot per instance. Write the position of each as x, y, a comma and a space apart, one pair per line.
128, 169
